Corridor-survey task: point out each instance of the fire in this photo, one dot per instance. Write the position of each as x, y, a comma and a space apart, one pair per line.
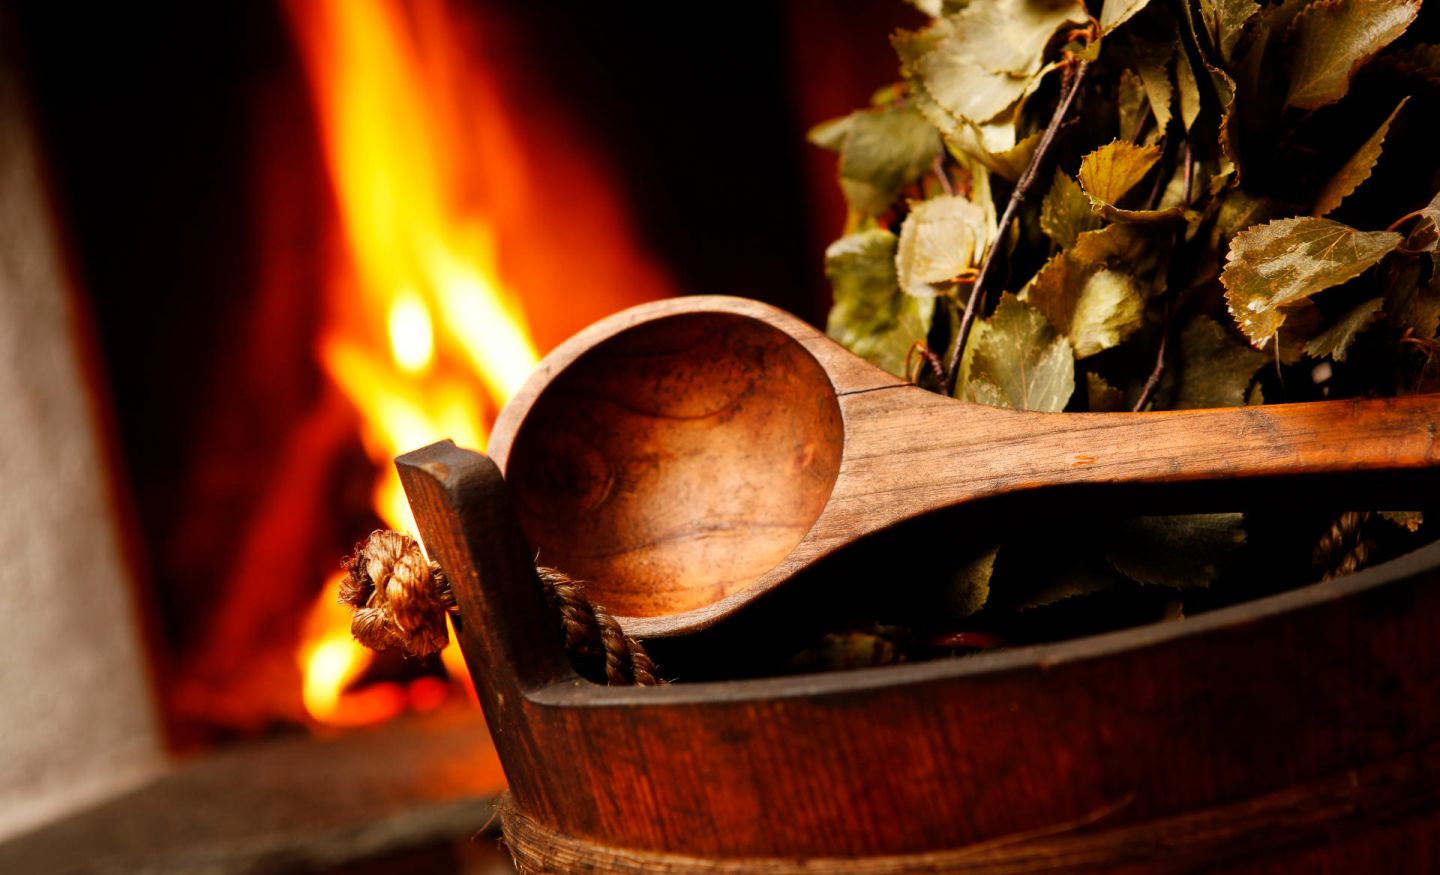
427, 336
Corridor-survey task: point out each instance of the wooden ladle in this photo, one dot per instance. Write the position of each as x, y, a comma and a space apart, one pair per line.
689, 455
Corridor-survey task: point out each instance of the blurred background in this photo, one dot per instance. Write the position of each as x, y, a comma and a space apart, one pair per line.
252, 251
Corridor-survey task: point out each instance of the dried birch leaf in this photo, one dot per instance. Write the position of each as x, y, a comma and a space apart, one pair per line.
940, 239
1116, 12
980, 62
969, 587
831, 134
1065, 212
884, 150
1021, 362
1108, 173
1010, 163
1411, 304
1132, 105
1302, 323
1228, 161
1225, 21
1130, 249
1288, 260
1083, 575
1152, 62
1409, 520
1425, 234
1184, 552
1240, 210
1103, 397
1010, 36
871, 317
937, 8
1214, 368
1096, 308
1331, 39
1338, 337
1418, 61
1356, 170
1189, 89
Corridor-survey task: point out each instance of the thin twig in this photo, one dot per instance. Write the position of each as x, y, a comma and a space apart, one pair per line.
1140, 125
1155, 373
927, 355
1172, 313
1074, 76
1157, 188
938, 168
1395, 225
1189, 172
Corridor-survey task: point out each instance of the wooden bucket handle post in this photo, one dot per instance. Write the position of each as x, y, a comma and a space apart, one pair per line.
508, 633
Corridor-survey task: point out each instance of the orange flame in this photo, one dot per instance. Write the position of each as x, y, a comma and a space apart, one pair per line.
424, 337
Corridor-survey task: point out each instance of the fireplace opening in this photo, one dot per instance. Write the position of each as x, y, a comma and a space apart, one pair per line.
312, 235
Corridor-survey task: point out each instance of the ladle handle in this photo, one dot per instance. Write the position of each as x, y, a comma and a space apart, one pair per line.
921, 455
508, 633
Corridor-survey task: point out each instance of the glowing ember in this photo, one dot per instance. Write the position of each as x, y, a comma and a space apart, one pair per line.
424, 337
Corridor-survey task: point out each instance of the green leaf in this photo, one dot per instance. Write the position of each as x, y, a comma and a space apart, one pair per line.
871, 317
1214, 368
1116, 12
1225, 20
1286, 261
1356, 170
940, 239
1152, 62
1184, 552
1331, 39
883, 151
1338, 337
1108, 173
1065, 212
1103, 397
1021, 362
1095, 307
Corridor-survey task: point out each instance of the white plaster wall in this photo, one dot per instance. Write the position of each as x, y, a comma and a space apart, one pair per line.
77, 719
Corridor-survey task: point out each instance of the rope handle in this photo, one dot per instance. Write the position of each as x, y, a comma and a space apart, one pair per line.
400, 600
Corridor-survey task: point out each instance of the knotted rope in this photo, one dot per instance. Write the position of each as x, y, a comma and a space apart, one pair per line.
400, 599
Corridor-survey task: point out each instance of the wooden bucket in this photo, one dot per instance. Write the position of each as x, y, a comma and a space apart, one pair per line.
1294, 732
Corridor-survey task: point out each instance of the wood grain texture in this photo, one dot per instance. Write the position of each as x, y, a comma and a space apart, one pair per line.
1276, 703
688, 456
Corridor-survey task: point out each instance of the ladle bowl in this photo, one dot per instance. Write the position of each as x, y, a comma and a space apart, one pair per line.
687, 456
